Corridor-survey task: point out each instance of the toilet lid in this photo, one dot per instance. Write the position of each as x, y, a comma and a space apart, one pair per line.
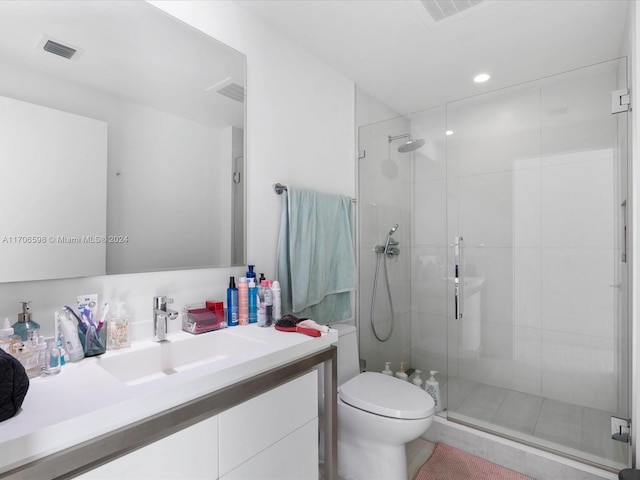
387, 396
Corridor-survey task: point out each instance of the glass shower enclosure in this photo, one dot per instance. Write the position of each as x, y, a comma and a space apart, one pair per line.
512, 279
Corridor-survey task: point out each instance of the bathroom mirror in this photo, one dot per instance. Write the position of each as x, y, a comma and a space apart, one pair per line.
172, 101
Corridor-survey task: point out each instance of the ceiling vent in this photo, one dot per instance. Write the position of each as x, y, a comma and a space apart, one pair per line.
444, 9
233, 91
56, 47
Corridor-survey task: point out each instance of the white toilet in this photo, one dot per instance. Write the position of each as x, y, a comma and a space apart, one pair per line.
377, 416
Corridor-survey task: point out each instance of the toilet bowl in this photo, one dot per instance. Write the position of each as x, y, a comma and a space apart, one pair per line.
377, 416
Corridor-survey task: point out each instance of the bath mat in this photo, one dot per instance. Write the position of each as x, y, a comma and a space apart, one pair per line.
448, 463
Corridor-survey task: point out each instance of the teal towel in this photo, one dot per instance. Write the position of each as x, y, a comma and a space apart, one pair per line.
316, 259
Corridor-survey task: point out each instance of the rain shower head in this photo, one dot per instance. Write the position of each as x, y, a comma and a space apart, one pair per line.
408, 146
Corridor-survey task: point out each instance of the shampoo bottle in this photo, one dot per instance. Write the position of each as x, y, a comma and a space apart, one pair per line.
277, 301
268, 303
25, 327
433, 388
253, 301
387, 369
232, 303
243, 301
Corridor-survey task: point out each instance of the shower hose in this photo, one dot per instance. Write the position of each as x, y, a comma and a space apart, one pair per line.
373, 297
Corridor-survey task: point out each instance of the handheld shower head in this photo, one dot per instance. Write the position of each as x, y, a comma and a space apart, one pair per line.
393, 229
410, 145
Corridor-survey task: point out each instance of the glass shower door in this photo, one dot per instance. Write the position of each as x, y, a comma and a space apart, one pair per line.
536, 192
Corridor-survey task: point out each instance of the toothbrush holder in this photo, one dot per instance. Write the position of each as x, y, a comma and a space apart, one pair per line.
94, 340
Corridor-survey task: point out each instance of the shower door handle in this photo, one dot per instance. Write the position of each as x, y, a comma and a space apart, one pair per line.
458, 253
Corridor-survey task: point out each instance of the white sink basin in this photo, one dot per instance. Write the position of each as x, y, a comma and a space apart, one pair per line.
151, 361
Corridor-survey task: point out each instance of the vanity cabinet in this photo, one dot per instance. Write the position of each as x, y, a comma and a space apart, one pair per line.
271, 436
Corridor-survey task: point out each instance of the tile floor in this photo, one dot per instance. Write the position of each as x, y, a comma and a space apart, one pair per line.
572, 429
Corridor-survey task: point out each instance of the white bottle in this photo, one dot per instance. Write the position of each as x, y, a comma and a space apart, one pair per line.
277, 301
417, 378
401, 373
387, 369
70, 332
433, 388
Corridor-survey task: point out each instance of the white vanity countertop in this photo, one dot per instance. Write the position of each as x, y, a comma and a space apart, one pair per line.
85, 401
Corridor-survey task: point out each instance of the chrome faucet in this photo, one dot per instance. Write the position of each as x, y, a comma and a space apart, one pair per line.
160, 316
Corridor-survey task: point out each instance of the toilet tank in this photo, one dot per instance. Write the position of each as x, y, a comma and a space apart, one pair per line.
348, 358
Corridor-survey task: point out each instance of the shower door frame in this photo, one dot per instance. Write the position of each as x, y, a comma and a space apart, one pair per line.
455, 290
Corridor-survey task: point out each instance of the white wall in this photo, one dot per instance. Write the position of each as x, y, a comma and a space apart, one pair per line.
300, 130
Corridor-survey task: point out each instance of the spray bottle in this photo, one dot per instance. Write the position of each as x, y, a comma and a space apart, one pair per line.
433, 388
232, 303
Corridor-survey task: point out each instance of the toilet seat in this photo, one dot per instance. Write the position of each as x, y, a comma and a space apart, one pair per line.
387, 396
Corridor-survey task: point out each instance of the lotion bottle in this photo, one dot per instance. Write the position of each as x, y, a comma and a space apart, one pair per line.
387, 369
417, 378
433, 388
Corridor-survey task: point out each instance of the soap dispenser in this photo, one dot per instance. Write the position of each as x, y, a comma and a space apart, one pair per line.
433, 388
401, 374
387, 369
417, 378
25, 327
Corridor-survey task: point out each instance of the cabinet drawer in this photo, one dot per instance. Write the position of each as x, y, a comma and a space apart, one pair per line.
251, 427
189, 453
295, 457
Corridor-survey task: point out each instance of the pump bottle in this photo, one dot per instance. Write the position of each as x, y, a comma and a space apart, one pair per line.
433, 388
25, 327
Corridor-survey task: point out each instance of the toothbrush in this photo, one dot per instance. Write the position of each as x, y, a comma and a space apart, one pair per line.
81, 324
105, 311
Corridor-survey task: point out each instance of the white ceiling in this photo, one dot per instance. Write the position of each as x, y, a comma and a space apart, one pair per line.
396, 52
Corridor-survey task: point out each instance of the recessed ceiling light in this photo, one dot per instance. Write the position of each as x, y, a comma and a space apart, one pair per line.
483, 77
449, 132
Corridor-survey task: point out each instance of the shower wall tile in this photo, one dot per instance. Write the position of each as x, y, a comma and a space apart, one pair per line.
429, 280
430, 161
486, 219
496, 131
492, 270
526, 204
527, 288
527, 362
571, 209
429, 217
566, 126
429, 342
576, 291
